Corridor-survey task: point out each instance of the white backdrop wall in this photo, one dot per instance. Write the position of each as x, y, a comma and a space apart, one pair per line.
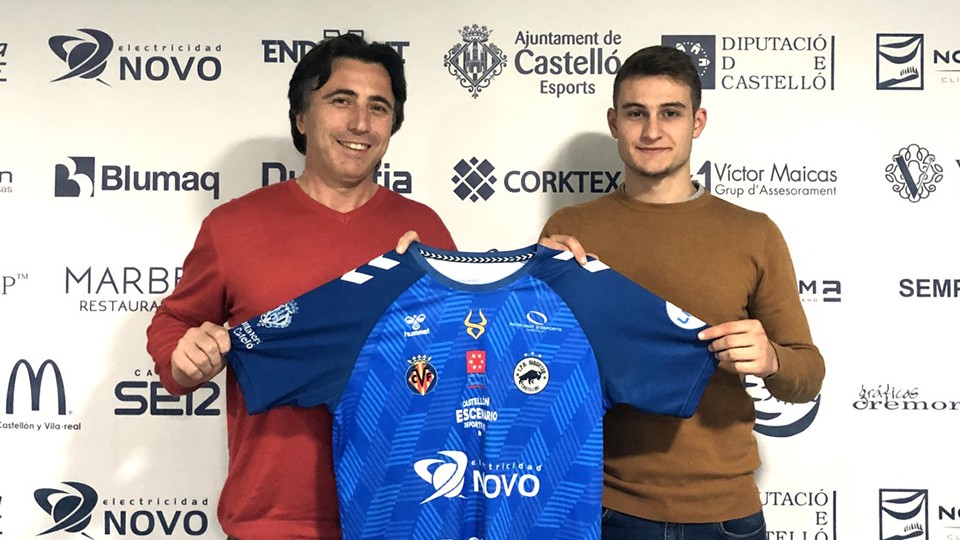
835, 118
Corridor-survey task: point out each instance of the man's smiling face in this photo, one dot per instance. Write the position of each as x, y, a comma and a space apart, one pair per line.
348, 123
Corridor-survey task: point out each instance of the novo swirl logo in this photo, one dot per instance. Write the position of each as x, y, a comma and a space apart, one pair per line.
70, 510
445, 475
776, 418
86, 59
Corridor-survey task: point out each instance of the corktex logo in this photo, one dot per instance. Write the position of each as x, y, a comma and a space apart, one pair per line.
474, 180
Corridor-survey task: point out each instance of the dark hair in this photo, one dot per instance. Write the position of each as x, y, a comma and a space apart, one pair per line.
659, 60
314, 69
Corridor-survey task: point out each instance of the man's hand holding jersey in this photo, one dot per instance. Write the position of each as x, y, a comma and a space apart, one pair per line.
743, 347
199, 354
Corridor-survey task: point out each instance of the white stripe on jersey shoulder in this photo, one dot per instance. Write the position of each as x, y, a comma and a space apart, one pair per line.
596, 266
383, 263
593, 266
356, 277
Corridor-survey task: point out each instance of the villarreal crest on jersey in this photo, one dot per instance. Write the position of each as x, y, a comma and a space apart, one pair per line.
468, 389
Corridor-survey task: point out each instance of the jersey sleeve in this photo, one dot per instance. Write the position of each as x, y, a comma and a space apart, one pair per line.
303, 351
647, 350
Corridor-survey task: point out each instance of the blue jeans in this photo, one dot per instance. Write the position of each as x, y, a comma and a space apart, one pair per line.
620, 526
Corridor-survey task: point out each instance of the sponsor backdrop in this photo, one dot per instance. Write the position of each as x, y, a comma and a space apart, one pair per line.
124, 124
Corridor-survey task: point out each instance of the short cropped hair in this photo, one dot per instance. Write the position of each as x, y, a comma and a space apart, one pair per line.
659, 60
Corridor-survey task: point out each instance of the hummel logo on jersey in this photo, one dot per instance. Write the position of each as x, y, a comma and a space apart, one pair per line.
416, 328
475, 329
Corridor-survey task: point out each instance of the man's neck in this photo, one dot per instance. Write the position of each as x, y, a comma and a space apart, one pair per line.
341, 198
673, 189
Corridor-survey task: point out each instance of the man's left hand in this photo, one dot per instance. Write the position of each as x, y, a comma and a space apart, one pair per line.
566, 243
743, 346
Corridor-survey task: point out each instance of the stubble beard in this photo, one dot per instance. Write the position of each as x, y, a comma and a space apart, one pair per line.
657, 176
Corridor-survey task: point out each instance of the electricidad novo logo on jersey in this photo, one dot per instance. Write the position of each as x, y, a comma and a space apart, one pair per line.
448, 477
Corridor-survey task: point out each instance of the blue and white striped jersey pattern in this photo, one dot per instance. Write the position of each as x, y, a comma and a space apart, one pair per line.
472, 411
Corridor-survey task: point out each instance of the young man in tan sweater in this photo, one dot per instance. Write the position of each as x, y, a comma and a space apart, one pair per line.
667, 478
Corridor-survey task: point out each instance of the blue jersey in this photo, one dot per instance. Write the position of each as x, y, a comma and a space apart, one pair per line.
468, 409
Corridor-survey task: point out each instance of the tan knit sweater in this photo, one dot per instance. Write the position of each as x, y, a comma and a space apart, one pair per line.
721, 263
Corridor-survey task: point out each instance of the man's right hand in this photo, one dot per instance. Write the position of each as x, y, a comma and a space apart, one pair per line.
408, 238
199, 354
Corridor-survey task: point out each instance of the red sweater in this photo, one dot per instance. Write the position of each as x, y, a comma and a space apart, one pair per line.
252, 254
